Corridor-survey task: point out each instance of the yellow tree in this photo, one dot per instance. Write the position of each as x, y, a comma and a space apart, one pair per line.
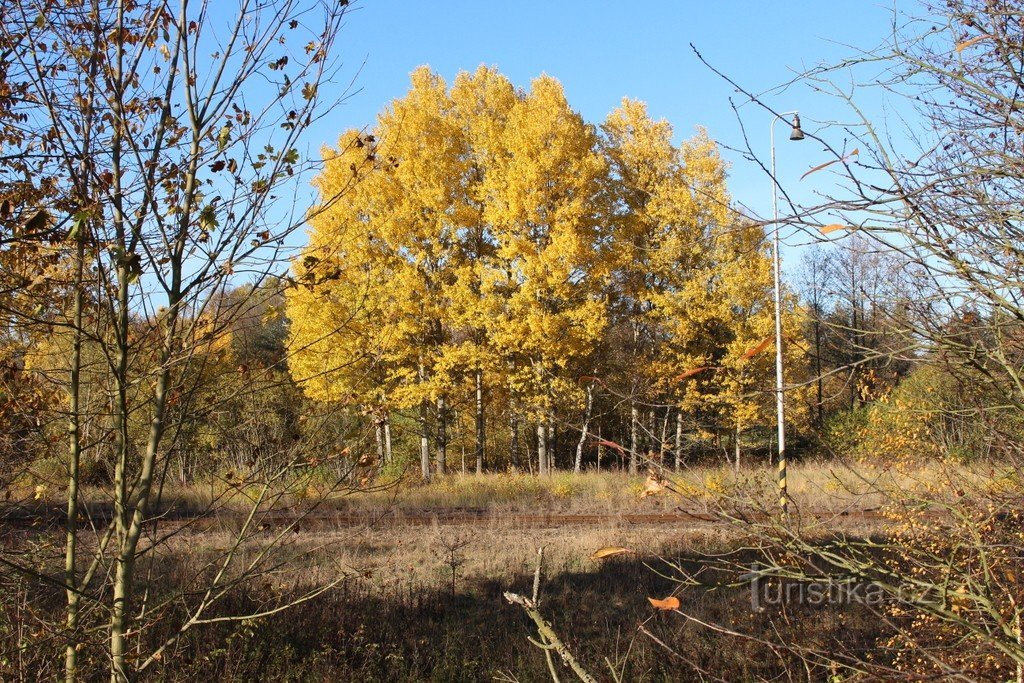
542, 192
391, 242
654, 235
482, 103
716, 310
344, 336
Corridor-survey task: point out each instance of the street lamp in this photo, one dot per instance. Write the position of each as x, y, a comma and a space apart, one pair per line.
780, 406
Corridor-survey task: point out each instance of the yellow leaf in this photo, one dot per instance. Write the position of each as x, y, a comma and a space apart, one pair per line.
610, 551
669, 603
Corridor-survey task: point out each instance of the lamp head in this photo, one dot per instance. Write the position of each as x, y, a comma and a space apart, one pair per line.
796, 133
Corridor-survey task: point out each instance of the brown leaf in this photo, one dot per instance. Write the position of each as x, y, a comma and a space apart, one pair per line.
961, 46
829, 163
37, 222
610, 551
750, 353
218, 166
669, 603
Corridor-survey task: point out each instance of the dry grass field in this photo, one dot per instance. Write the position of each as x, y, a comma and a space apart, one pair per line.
424, 602
420, 571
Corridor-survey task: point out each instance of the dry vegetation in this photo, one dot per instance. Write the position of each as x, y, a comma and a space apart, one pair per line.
423, 569
421, 598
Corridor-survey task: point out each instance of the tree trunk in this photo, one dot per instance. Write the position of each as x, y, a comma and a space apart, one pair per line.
442, 435
736, 445
387, 438
600, 449
480, 434
578, 464
137, 503
552, 443
634, 437
664, 437
118, 623
424, 440
378, 430
817, 371
679, 439
74, 460
542, 448
514, 439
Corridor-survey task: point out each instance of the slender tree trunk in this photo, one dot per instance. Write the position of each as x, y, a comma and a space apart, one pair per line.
123, 571
552, 443
578, 464
817, 370
138, 505
387, 438
542, 448
634, 437
652, 433
600, 449
74, 460
480, 433
664, 437
514, 439
679, 439
442, 435
736, 445
424, 427
424, 440
378, 429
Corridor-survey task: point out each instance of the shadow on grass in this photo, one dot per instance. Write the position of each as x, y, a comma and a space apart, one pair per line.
357, 632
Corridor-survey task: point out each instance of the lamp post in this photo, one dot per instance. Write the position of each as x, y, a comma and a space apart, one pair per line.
780, 404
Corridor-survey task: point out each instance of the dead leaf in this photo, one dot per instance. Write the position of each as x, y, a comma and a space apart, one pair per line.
691, 372
819, 167
960, 47
750, 353
832, 227
653, 486
610, 444
610, 551
669, 603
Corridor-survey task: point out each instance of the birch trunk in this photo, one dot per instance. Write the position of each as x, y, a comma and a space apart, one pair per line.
542, 449
679, 440
424, 441
634, 437
442, 435
514, 439
480, 433
578, 464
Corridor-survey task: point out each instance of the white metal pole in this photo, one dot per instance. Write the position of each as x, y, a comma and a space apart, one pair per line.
780, 404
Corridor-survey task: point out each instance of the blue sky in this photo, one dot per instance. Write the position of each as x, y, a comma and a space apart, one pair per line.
602, 51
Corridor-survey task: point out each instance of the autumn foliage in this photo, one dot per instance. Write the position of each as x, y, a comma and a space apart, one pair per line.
488, 240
